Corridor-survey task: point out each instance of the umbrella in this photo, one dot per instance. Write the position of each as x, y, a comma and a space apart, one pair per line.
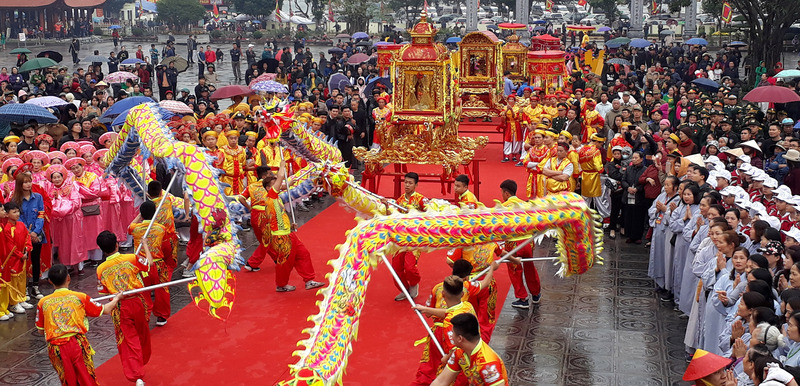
639, 43
737, 44
272, 65
357, 59
788, 74
120, 77
618, 61
267, 86
381, 44
47, 101
511, 26
120, 120
263, 77
20, 50
95, 59
667, 32
175, 107
122, 106
538, 28
133, 61
231, 91
539, 22
338, 81
57, 57
773, 94
604, 29
797, 125
707, 84
364, 44
23, 113
242, 17
385, 81
335, 50
180, 63
617, 43
37, 63
697, 41
343, 36
360, 35
114, 27
453, 40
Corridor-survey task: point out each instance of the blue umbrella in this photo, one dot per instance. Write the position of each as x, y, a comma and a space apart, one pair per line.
23, 112
385, 81
697, 41
339, 81
255, 21
133, 61
604, 29
639, 43
737, 44
114, 27
123, 106
120, 120
539, 22
335, 50
707, 84
538, 28
453, 40
360, 35
381, 44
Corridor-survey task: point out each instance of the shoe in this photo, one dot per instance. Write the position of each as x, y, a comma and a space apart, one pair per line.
160, 322
4, 318
647, 245
26, 305
535, 299
185, 263
286, 288
521, 303
311, 284
17, 309
36, 293
414, 291
301, 207
139, 382
250, 268
504, 160
683, 316
519, 164
612, 235
400, 297
667, 297
187, 273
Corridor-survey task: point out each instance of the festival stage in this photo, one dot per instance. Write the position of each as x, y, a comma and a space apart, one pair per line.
256, 343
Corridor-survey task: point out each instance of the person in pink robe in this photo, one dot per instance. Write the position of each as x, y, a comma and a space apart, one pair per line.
90, 189
110, 205
38, 159
67, 216
9, 167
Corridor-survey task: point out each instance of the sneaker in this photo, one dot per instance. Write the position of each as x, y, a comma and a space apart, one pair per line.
26, 305
414, 291
521, 303
286, 288
5, 317
139, 382
36, 293
519, 164
311, 284
504, 160
187, 273
250, 268
535, 299
400, 297
160, 322
17, 309
185, 263
10, 315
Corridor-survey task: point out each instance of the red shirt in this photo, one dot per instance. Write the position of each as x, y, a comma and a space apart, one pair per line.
120, 273
18, 241
63, 314
417, 201
481, 367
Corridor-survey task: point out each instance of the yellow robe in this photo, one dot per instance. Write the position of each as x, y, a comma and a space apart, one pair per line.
554, 186
233, 166
591, 162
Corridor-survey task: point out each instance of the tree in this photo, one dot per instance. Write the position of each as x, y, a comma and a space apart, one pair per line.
113, 7
676, 5
767, 23
180, 12
317, 10
609, 8
357, 13
255, 7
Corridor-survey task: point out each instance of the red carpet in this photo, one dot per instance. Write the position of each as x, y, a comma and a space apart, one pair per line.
256, 344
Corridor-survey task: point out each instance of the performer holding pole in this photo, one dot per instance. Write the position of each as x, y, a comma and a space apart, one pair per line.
520, 270
62, 316
146, 231
121, 273
405, 263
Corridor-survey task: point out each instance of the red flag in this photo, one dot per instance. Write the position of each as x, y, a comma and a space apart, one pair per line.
727, 13
582, 2
216, 11
549, 6
653, 7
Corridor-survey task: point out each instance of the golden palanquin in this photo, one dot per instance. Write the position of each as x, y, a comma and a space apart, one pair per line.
514, 58
480, 77
546, 69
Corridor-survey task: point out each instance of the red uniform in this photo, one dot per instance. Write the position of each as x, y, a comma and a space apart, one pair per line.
159, 271
405, 263
63, 317
431, 362
259, 218
285, 248
18, 243
484, 300
481, 367
526, 270
122, 273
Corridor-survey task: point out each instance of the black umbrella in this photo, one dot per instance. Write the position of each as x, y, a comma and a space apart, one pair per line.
95, 59
180, 63
335, 50
57, 57
272, 65
364, 44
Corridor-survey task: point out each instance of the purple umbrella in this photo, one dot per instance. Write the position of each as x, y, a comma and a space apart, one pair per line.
604, 29
47, 101
357, 58
338, 81
360, 35
267, 86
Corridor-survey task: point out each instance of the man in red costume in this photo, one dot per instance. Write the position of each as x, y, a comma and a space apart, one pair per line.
513, 119
517, 270
405, 263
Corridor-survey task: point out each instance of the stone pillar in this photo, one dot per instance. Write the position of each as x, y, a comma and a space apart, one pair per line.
472, 15
522, 11
637, 19
690, 27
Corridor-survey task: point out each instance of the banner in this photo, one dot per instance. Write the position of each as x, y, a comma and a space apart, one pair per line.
549, 6
582, 3
278, 13
727, 13
653, 7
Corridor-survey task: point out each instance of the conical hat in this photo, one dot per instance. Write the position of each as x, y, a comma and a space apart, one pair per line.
704, 364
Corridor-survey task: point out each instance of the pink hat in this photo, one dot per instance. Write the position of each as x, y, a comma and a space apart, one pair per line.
665, 122
87, 149
57, 154
60, 169
36, 154
110, 136
11, 162
99, 154
70, 145
74, 160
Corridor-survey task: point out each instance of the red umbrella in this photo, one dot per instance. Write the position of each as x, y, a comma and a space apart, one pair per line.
772, 94
358, 58
511, 26
231, 91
